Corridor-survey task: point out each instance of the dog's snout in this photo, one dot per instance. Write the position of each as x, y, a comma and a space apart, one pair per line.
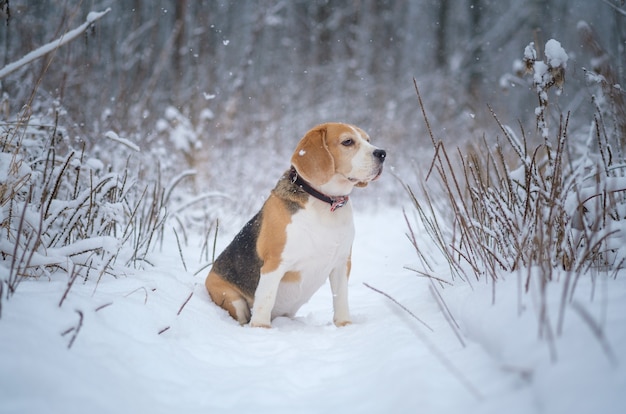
380, 154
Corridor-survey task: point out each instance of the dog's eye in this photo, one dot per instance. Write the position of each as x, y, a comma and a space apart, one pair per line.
348, 142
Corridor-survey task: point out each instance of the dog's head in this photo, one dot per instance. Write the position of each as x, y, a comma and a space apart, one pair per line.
334, 157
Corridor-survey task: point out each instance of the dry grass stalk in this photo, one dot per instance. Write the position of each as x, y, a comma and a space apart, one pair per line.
514, 207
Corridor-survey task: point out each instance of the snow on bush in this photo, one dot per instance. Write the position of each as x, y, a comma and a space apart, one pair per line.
546, 74
553, 213
179, 134
61, 209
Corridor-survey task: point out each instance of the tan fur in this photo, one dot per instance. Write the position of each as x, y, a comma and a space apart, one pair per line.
325, 157
291, 277
272, 236
349, 264
336, 134
225, 294
318, 166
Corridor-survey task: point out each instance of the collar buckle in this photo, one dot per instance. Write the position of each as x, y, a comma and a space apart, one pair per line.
338, 202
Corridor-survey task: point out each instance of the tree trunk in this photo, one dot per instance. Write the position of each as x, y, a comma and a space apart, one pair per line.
476, 75
441, 52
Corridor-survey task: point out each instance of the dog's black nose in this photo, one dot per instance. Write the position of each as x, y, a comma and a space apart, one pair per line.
380, 154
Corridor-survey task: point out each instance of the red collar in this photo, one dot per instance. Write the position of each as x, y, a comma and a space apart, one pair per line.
335, 202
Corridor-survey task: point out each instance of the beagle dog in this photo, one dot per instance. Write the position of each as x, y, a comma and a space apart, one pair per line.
303, 233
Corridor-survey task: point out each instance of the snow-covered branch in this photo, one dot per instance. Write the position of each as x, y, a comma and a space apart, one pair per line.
52, 46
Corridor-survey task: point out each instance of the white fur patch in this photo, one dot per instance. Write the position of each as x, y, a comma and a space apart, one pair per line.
318, 244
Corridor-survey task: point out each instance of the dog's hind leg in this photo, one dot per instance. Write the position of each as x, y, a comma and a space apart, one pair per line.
228, 297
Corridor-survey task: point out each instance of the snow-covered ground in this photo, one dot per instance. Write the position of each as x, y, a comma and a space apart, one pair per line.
138, 345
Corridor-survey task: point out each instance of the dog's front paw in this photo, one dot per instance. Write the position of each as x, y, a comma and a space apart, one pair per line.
255, 323
339, 324
260, 325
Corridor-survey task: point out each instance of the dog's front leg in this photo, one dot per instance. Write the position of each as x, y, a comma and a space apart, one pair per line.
339, 287
265, 298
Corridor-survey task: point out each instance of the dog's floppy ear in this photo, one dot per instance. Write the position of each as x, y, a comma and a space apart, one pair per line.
312, 159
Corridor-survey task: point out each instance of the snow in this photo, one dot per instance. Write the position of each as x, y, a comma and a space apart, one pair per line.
61, 255
179, 130
540, 73
93, 16
12, 169
124, 141
518, 66
555, 54
151, 341
593, 77
530, 53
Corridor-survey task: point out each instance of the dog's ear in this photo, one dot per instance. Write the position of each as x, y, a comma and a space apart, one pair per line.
312, 158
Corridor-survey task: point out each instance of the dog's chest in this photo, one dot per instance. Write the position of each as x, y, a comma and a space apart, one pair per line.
318, 242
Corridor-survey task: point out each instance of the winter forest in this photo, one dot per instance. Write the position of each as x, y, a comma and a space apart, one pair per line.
137, 137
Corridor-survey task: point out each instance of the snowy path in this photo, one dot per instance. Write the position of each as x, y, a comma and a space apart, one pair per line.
384, 362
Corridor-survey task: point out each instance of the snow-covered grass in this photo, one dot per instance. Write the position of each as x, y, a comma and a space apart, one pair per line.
63, 210
559, 204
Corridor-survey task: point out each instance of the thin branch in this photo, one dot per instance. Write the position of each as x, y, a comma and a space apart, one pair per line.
428, 276
217, 228
180, 250
138, 289
106, 305
75, 329
446, 313
202, 268
52, 46
184, 303
73, 275
419, 98
404, 308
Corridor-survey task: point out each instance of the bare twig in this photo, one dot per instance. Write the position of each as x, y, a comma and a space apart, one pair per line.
145, 300
72, 278
428, 276
419, 98
202, 268
106, 305
217, 227
14, 277
75, 329
404, 308
184, 303
446, 313
180, 250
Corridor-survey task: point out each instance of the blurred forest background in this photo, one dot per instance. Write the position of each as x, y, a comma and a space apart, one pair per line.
263, 72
